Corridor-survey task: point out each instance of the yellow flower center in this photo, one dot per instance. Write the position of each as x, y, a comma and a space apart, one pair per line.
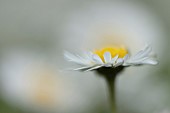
113, 51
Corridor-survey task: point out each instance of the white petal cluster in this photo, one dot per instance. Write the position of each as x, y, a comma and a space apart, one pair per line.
90, 61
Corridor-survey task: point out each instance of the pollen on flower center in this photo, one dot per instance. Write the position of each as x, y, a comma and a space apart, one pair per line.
113, 51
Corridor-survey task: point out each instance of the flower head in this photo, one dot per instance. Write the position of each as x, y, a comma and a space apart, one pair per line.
110, 57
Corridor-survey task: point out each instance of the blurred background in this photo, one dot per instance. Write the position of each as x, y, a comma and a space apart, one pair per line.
35, 33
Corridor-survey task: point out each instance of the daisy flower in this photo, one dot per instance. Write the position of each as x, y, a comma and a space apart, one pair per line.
109, 62
110, 57
111, 23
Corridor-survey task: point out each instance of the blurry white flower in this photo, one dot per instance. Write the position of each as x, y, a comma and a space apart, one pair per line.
32, 84
110, 57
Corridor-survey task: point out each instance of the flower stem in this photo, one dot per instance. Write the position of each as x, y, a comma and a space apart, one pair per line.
110, 75
111, 90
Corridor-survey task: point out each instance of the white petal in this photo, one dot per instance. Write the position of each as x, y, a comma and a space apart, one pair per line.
93, 68
150, 61
125, 57
142, 61
82, 60
146, 51
113, 60
137, 60
107, 65
73, 58
82, 68
69, 56
88, 55
119, 62
97, 59
89, 58
134, 62
107, 57
143, 53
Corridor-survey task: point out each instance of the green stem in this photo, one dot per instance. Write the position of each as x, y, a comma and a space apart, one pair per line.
110, 75
111, 90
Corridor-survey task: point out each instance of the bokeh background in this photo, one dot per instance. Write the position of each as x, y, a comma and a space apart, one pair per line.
35, 33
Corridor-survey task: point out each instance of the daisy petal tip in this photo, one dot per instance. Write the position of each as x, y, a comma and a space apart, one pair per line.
155, 63
150, 62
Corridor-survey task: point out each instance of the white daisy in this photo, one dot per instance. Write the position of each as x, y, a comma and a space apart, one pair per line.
110, 57
113, 23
